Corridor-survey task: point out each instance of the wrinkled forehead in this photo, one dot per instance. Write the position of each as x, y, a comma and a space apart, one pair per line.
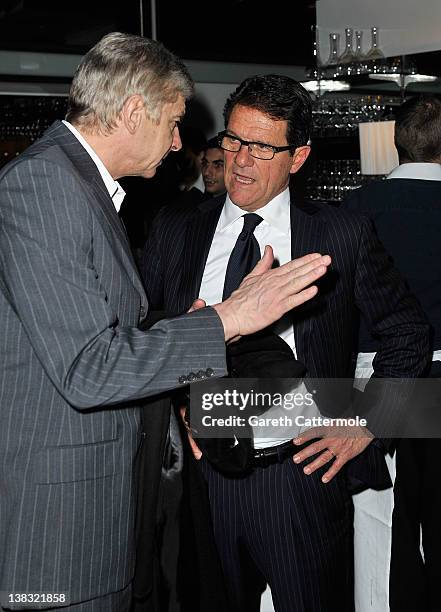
252, 124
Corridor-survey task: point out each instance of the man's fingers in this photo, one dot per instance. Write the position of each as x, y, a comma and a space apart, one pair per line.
325, 457
306, 260
264, 264
197, 305
297, 290
295, 286
338, 449
299, 266
318, 266
302, 296
310, 450
194, 447
305, 263
309, 434
333, 470
310, 259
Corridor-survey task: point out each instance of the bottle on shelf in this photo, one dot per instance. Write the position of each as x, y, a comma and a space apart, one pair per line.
358, 53
334, 45
348, 55
375, 53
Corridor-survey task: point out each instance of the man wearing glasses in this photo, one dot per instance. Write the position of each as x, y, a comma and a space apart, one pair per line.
281, 521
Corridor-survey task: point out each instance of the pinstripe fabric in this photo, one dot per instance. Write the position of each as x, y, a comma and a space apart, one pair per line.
121, 601
70, 303
361, 278
270, 524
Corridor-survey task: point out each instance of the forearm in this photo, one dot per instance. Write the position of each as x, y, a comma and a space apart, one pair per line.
125, 364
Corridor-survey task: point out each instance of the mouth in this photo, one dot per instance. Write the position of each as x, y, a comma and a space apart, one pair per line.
243, 180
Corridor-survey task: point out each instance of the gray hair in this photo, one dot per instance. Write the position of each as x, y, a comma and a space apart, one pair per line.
117, 67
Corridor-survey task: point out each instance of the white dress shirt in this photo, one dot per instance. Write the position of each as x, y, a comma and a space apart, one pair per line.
275, 230
116, 192
419, 171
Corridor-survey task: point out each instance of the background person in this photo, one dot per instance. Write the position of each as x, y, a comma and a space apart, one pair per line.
212, 168
406, 210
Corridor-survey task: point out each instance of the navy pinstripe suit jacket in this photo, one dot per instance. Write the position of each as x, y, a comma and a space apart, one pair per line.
72, 358
361, 278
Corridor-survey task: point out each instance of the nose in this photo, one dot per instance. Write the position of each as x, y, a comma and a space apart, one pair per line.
176, 142
243, 157
206, 172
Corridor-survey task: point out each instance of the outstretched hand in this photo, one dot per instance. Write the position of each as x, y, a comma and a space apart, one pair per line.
266, 294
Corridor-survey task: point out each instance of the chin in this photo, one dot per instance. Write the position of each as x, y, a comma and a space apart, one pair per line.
149, 173
241, 198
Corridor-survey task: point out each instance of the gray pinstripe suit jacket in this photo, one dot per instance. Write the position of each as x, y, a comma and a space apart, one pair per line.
71, 360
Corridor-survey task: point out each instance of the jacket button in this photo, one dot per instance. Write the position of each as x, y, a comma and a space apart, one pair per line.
209, 372
182, 379
191, 377
200, 374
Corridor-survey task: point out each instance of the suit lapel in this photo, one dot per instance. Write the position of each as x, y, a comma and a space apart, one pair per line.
198, 239
100, 202
308, 235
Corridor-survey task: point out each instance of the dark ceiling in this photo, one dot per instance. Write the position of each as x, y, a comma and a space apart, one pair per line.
275, 32
231, 30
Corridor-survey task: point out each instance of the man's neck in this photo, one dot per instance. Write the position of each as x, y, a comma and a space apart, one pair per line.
107, 147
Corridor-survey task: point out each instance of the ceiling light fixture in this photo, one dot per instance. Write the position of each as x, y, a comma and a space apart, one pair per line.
325, 85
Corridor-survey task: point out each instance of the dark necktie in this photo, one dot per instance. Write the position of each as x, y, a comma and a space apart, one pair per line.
244, 256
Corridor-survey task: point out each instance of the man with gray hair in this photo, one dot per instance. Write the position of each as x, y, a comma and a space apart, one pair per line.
75, 363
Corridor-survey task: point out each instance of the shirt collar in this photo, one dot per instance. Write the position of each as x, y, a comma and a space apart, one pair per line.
276, 213
116, 192
426, 171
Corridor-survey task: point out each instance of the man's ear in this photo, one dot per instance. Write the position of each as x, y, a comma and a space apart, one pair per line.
132, 113
299, 158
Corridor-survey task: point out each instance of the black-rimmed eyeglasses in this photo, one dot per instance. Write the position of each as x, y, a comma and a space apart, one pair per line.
260, 150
